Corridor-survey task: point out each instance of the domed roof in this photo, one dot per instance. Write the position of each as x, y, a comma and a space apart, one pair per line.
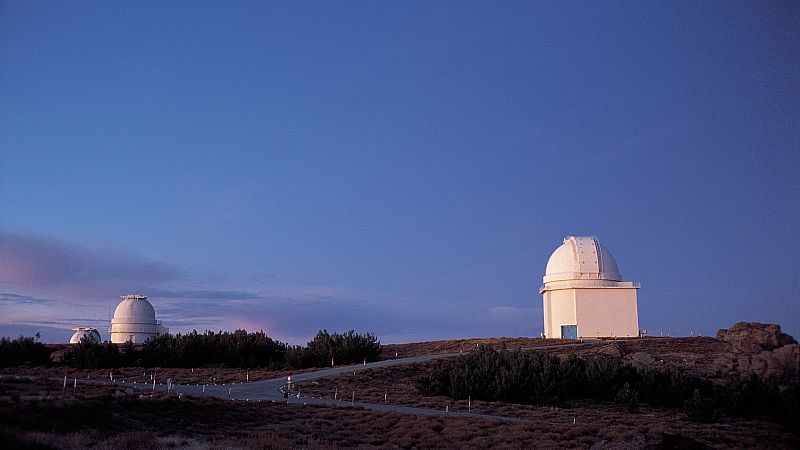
134, 309
581, 258
90, 334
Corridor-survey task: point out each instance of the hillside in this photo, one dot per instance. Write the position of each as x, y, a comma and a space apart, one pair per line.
93, 413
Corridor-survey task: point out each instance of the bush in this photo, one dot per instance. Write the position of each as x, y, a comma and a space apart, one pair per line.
628, 397
347, 348
23, 350
238, 349
699, 409
89, 354
538, 378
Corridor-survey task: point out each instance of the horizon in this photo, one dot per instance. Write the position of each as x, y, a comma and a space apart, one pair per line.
401, 169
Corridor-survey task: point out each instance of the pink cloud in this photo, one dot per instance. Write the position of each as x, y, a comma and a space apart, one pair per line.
49, 265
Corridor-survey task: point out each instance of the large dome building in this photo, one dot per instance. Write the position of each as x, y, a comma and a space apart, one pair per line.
584, 294
135, 321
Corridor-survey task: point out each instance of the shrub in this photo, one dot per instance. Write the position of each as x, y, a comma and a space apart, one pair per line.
237, 349
347, 348
89, 354
699, 409
628, 397
23, 350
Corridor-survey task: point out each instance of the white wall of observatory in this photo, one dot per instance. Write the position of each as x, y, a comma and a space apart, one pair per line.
584, 294
596, 312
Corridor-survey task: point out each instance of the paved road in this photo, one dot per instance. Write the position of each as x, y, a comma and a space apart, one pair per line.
270, 390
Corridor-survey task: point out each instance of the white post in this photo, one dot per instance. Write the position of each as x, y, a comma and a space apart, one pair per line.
154, 386
248, 376
365, 361
331, 361
469, 404
75, 385
385, 397
204, 389
335, 393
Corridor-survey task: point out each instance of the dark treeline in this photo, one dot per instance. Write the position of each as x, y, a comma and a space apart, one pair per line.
23, 350
231, 349
237, 349
537, 378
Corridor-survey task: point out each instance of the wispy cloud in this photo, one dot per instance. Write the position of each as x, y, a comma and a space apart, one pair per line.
16, 299
57, 285
44, 264
204, 294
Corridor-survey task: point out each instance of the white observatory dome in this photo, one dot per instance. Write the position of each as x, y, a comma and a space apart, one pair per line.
135, 321
581, 258
584, 294
135, 308
90, 334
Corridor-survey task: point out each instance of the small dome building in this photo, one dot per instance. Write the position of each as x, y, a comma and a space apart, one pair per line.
90, 334
135, 321
584, 294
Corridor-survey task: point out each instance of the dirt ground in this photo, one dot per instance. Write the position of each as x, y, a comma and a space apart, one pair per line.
33, 413
391, 351
167, 422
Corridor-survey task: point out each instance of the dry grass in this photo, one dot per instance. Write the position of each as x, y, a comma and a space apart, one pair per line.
436, 347
94, 417
167, 422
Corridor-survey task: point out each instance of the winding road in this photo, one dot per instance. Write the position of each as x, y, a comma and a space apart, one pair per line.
271, 390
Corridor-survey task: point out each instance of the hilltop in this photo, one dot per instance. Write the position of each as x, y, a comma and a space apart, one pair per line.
97, 414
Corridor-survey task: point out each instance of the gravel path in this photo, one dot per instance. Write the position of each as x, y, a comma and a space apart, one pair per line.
271, 390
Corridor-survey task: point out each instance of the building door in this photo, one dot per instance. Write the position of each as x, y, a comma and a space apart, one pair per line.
569, 332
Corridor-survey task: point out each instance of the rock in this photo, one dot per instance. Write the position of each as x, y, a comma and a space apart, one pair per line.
753, 337
763, 350
640, 359
612, 349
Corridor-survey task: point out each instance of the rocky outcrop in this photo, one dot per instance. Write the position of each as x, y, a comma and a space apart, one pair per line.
763, 350
752, 337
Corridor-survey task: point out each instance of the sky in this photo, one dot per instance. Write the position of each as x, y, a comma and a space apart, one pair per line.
404, 168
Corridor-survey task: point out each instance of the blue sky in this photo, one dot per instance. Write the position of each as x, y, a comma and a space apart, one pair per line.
398, 167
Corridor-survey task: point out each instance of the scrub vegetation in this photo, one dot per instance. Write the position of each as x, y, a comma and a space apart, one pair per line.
23, 350
238, 349
696, 392
543, 379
